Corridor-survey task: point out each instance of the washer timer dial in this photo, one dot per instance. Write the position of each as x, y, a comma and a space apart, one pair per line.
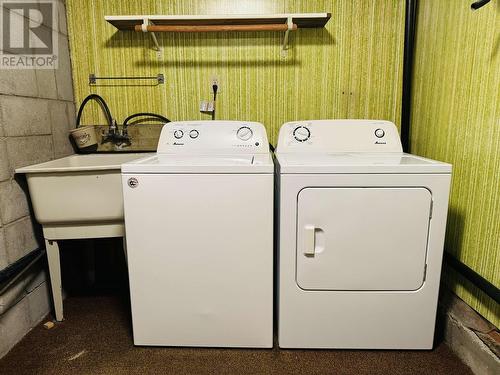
178, 134
244, 133
301, 133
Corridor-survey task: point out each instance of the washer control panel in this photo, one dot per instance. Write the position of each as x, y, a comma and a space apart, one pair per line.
213, 136
339, 136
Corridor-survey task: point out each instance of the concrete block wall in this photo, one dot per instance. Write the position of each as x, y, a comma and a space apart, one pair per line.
36, 112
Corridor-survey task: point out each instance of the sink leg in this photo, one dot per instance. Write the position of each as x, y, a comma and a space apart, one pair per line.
55, 277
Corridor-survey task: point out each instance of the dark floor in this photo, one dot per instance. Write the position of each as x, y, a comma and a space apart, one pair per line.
96, 338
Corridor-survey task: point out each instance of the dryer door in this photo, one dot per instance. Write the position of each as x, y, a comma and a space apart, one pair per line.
362, 238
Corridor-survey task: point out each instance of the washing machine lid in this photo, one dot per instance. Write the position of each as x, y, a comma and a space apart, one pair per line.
178, 163
314, 163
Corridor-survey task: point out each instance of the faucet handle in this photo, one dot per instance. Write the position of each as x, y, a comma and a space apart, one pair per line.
113, 128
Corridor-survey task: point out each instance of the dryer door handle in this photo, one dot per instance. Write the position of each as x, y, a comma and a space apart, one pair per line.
309, 240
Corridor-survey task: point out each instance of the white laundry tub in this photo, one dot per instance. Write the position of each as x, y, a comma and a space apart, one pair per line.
78, 190
79, 196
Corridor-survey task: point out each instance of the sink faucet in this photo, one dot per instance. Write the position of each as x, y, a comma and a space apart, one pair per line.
122, 138
113, 135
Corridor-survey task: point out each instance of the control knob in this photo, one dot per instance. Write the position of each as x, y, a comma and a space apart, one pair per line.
244, 133
178, 134
301, 133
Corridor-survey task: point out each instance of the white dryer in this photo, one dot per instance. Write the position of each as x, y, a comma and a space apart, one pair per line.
361, 234
199, 234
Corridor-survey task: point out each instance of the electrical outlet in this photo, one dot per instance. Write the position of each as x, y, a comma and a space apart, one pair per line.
203, 106
207, 106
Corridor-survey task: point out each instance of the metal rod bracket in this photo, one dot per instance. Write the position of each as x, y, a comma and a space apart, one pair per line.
284, 47
145, 23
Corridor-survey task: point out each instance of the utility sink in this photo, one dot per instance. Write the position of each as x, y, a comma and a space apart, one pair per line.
79, 196
78, 189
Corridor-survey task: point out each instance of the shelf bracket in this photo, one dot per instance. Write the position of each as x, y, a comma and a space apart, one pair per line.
284, 47
145, 23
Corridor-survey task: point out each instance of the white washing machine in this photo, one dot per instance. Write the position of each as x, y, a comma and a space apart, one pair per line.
361, 234
199, 234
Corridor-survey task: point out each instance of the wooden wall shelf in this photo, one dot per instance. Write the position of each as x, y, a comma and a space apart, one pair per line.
219, 23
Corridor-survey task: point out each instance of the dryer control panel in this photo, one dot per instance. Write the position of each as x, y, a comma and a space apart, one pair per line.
339, 136
213, 137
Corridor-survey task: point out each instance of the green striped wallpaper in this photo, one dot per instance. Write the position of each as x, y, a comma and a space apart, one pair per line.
350, 69
456, 118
